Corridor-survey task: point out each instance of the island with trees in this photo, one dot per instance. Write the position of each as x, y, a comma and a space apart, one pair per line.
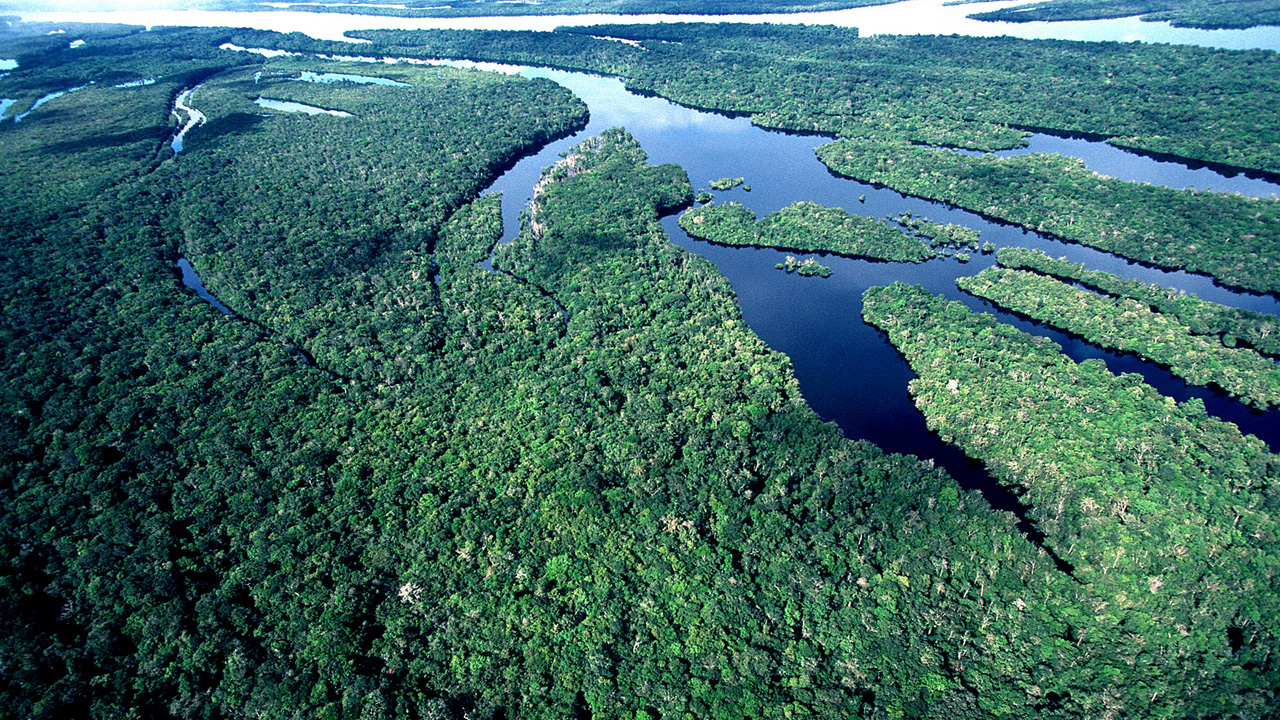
805, 227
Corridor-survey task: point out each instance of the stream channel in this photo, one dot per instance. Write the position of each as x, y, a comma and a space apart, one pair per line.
847, 370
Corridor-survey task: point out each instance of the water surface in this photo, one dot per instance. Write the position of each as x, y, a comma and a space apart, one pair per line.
290, 106
191, 279
45, 99
1128, 165
194, 117
328, 77
847, 371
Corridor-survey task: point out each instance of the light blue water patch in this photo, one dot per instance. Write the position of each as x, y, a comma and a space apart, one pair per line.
192, 280
5, 104
47, 98
76, 44
264, 52
308, 76
137, 83
8, 64
290, 106
194, 117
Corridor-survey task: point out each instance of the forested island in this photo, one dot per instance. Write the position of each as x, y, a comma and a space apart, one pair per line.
805, 227
420, 472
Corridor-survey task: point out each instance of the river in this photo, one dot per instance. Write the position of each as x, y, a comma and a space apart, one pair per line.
847, 371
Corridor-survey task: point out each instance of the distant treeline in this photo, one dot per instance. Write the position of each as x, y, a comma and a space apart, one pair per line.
488, 8
1206, 14
1199, 103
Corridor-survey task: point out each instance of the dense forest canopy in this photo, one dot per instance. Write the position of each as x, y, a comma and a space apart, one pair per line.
398, 483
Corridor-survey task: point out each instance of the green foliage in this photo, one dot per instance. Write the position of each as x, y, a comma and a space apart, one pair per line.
949, 236
804, 227
1207, 14
1227, 236
597, 491
808, 267
1147, 499
269, 230
980, 93
1131, 326
727, 183
1202, 317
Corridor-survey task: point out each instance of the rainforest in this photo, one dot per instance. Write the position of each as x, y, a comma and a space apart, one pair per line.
684, 370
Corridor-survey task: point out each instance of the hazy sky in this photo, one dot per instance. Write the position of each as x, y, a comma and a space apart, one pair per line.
96, 5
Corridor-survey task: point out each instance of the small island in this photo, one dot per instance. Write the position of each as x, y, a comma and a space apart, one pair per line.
726, 183
805, 268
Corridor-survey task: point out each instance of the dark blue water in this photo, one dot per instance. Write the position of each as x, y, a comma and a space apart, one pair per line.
847, 370
191, 279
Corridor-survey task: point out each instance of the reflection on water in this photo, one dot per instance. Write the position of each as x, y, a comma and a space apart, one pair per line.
46, 98
913, 17
847, 371
194, 117
8, 64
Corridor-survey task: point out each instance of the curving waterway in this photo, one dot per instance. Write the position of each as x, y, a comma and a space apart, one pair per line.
847, 371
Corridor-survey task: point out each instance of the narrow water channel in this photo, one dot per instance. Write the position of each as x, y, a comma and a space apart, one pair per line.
1136, 167
194, 117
